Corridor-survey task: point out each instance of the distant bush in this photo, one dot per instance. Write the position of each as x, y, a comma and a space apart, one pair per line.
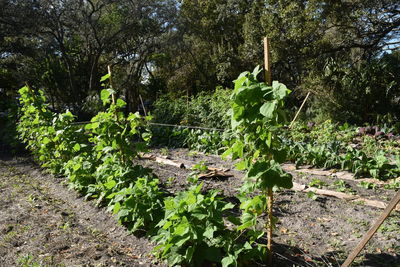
208, 110
205, 109
357, 94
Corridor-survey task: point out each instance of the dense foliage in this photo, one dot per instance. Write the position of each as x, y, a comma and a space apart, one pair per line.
97, 159
208, 110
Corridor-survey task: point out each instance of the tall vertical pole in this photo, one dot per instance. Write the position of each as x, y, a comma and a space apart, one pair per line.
270, 196
267, 62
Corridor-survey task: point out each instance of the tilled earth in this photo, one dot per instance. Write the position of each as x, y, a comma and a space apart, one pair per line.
42, 223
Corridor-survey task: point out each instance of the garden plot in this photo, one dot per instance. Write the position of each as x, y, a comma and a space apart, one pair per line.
42, 223
316, 229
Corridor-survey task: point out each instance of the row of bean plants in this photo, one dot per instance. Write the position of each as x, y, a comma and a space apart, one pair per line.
189, 228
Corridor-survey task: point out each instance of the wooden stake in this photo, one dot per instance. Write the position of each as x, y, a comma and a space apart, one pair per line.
267, 62
269, 193
373, 230
144, 109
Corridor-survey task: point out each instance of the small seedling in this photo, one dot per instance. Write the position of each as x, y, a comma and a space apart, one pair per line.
312, 195
367, 185
316, 183
201, 166
342, 186
164, 151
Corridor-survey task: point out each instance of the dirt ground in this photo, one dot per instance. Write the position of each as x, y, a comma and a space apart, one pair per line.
319, 232
42, 223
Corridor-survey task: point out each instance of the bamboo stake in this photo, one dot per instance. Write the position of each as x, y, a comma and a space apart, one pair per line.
111, 82
270, 197
372, 231
144, 109
298, 112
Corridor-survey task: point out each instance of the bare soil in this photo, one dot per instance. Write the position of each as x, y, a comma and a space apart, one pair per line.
44, 223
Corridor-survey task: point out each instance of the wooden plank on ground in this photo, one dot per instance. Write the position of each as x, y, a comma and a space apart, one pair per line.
345, 175
341, 195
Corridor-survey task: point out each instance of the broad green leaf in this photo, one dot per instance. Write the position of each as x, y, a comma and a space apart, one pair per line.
77, 166
117, 207
245, 225
76, 147
105, 96
237, 149
183, 227
280, 90
258, 169
256, 71
121, 103
209, 232
241, 165
105, 77
268, 108
189, 253
225, 155
229, 260
110, 184
180, 240
227, 206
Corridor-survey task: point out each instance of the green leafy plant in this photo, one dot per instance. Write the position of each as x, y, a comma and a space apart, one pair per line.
316, 183
257, 114
201, 166
139, 205
51, 137
34, 121
192, 230
367, 185
342, 186
312, 195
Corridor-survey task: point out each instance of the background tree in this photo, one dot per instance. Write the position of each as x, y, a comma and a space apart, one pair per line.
186, 47
74, 41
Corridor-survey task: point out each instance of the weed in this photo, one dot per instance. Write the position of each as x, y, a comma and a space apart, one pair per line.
367, 185
164, 151
342, 186
28, 261
312, 195
201, 166
317, 183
